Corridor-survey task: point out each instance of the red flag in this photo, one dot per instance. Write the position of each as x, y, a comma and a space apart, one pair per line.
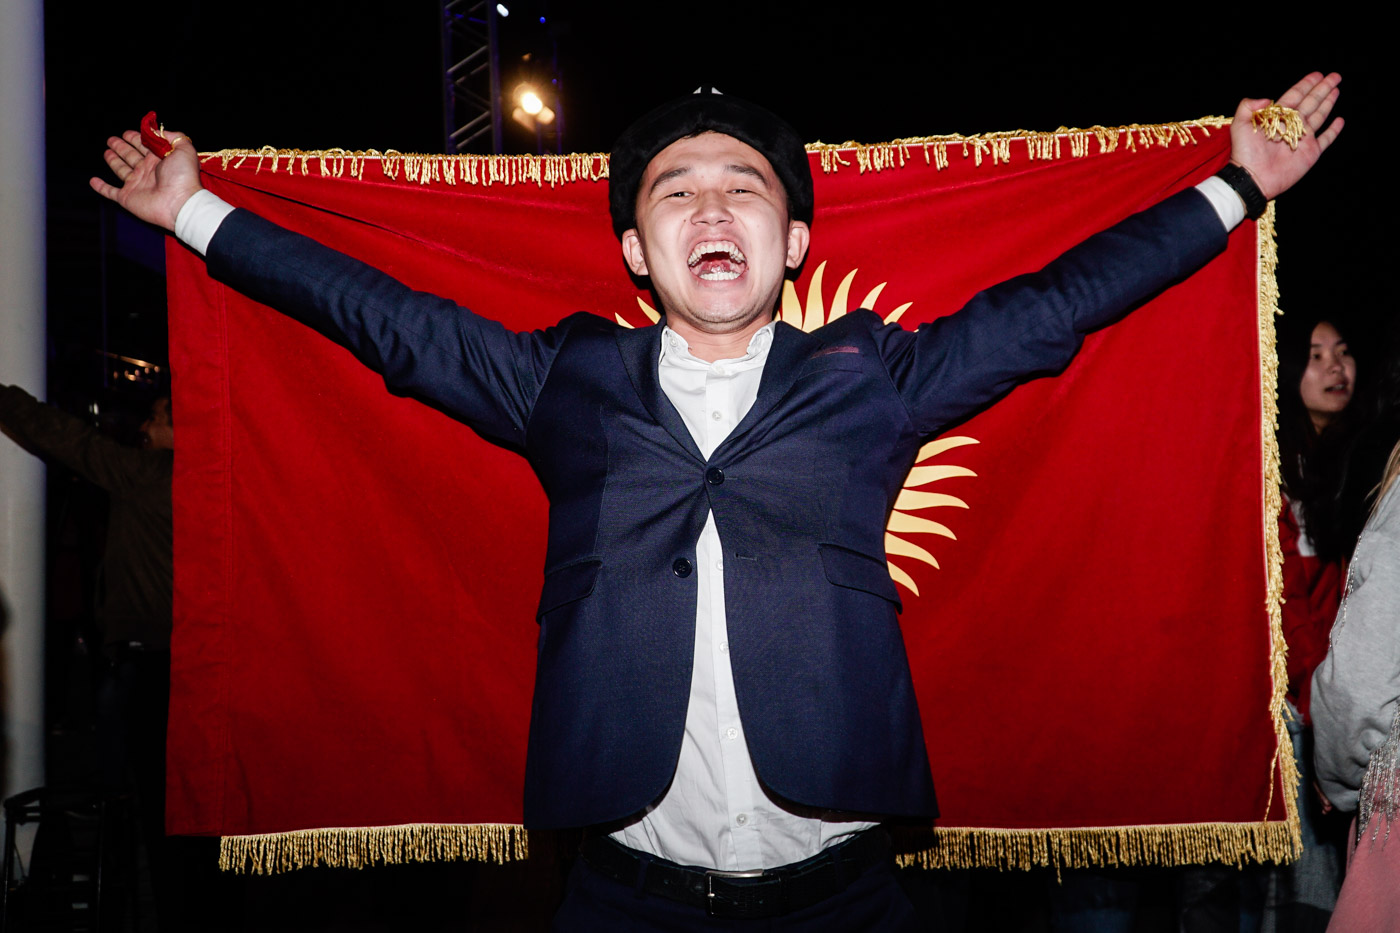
1085, 566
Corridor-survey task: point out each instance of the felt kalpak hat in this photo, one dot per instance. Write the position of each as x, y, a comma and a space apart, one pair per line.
707, 110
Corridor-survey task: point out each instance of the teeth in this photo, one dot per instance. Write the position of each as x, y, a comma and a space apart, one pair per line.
717, 246
718, 276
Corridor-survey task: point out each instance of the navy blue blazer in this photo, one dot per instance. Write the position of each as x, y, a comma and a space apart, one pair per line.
801, 492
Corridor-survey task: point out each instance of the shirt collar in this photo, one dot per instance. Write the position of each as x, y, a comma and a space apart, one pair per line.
676, 350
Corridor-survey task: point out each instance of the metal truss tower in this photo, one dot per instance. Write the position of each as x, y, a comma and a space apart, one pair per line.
471, 90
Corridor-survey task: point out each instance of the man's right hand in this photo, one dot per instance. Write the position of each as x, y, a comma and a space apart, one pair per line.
152, 188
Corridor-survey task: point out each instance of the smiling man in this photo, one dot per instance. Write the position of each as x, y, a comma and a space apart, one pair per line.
722, 694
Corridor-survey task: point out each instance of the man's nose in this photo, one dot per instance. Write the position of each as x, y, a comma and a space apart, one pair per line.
710, 207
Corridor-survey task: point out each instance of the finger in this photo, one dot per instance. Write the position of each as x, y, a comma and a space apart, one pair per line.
1247, 107
1327, 138
125, 151
117, 164
1318, 116
1294, 95
1318, 93
104, 189
134, 138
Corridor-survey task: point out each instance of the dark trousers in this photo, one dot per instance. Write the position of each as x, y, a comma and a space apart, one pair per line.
874, 902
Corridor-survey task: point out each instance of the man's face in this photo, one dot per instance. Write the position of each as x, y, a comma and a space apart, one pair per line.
713, 233
157, 429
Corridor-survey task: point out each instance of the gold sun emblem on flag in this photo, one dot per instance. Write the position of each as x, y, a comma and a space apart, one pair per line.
814, 313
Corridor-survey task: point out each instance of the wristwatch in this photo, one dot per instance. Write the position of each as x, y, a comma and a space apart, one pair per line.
1238, 178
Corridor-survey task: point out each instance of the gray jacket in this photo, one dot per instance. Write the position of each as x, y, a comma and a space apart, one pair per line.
1356, 690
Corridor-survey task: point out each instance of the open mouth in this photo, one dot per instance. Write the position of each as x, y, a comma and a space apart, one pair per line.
1341, 388
717, 261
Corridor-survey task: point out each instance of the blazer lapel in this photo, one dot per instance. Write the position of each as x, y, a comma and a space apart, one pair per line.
641, 355
791, 348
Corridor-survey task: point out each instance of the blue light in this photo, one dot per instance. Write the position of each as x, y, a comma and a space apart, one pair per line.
541, 19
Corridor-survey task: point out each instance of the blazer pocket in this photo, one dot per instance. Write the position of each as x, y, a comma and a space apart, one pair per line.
835, 362
858, 571
568, 584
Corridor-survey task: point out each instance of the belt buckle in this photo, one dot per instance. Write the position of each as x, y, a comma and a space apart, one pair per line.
712, 874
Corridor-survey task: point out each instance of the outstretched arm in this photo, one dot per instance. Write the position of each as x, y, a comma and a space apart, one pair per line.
56, 435
1034, 324
476, 369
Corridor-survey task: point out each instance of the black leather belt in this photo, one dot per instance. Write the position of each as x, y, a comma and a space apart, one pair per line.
757, 893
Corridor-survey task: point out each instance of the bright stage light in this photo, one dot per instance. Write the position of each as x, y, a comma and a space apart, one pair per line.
501, 9
530, 110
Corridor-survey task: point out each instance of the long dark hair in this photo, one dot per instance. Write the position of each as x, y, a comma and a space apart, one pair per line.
1315, 463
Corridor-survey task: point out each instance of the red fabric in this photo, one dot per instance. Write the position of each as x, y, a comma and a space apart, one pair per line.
1312, 592
356, 574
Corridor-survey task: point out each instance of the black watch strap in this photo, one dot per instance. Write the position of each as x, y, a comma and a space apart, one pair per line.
1238, 178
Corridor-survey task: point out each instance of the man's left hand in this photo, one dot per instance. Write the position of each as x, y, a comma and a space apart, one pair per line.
1274, 165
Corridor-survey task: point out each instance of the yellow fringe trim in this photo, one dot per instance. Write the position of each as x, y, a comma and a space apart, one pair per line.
1284, 766
1279, 122
1183, 844
272, 853
555, 170
539, 170
999, 146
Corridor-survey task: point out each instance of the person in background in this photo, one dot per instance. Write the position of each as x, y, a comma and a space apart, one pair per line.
1356, 715
133, 598
1317, 424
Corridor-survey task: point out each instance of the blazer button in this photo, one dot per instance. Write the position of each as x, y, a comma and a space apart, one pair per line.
714, 476
681, 567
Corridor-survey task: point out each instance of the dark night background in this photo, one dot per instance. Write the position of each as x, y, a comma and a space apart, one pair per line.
369, 75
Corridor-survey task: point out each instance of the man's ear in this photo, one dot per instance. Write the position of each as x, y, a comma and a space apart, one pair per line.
799, 238
633, 253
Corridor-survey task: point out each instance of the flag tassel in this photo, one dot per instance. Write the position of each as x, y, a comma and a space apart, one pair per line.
361, 847
1183, 844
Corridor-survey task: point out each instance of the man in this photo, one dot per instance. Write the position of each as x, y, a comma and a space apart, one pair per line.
134, 602
722, 683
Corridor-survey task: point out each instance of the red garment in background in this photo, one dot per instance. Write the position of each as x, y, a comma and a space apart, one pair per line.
1312, 592
357, 574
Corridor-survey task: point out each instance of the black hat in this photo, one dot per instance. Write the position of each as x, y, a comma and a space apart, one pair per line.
707, 111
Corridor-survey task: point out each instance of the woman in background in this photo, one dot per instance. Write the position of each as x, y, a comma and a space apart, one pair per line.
1318, 423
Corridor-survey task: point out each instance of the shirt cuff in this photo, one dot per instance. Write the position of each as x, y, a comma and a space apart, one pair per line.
1229, 207
201, 215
